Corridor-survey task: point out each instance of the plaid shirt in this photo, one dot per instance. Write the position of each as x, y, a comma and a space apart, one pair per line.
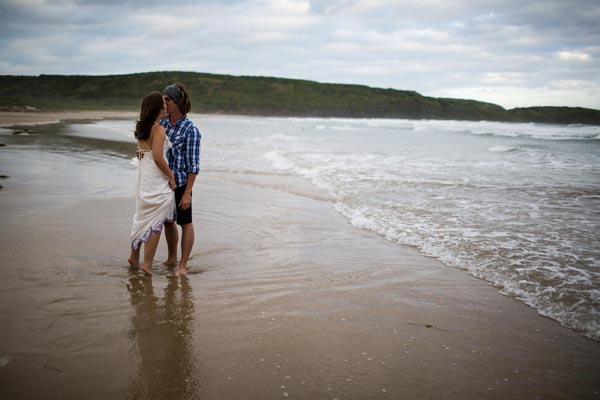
184, 154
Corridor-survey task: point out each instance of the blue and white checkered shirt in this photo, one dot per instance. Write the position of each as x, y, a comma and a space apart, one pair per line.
184, 154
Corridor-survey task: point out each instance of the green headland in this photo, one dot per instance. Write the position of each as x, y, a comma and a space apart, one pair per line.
265, 96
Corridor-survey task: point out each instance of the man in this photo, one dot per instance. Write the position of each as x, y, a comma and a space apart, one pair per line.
184, 160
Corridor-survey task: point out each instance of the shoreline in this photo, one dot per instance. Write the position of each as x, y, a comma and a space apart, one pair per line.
17, 118
31, 117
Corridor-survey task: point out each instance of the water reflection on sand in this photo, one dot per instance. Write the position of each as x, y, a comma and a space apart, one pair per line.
161, 340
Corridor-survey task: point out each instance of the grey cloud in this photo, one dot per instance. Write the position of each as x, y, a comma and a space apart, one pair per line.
428, 46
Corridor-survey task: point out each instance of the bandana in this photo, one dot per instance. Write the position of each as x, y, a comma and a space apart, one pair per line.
173, 92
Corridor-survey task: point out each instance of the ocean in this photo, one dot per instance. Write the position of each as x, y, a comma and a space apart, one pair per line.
517, 205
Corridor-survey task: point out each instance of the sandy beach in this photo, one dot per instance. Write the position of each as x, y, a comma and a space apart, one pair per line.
285, 299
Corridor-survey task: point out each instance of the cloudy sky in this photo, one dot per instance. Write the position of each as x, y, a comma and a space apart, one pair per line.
515, 53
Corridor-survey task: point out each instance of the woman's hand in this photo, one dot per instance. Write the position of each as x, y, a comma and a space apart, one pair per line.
172, 183
139, 153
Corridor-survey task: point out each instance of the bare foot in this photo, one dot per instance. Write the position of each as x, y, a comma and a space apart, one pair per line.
181, 271
170, 263
132, 263
146, 270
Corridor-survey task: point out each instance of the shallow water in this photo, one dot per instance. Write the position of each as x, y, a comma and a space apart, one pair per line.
515, 204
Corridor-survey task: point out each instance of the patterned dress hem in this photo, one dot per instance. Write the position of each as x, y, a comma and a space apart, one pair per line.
145, 237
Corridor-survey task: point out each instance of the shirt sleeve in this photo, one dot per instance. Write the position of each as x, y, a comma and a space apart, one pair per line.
193, 151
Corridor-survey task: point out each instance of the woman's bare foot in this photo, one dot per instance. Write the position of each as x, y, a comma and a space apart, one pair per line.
134, 258
147, 271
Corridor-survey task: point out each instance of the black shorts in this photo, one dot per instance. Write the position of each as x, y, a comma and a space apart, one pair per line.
183, 216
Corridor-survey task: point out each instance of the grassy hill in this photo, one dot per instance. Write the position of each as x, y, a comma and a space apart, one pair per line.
212, 93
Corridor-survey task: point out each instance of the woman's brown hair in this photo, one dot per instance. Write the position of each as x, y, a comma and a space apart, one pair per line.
152, 106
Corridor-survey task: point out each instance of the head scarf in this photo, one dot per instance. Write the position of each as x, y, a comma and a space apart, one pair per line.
173, 92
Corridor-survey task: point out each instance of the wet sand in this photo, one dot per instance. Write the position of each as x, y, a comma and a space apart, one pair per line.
284, 300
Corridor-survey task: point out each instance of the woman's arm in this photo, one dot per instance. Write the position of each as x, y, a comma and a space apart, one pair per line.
157, 135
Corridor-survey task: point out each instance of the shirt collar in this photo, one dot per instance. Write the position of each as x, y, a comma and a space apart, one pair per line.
179, 121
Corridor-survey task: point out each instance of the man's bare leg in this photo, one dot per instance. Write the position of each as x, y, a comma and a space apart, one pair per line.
172, 236
187, 242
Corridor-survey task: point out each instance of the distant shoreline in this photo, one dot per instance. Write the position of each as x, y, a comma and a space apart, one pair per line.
35, 117
16, 118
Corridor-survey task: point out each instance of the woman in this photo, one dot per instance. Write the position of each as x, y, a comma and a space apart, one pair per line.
155, 201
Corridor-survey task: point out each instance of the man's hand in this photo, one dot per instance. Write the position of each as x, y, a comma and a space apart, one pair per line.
186, 201
139, 153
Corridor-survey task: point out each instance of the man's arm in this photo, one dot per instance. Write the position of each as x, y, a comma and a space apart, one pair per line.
193, 163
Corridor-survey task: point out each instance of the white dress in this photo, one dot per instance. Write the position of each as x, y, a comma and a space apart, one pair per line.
155, 201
